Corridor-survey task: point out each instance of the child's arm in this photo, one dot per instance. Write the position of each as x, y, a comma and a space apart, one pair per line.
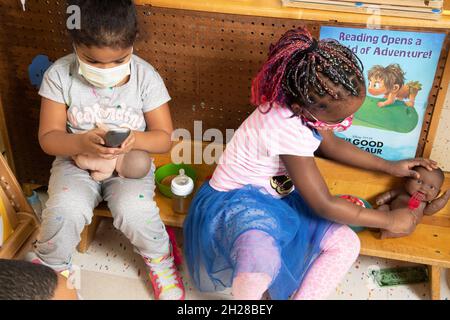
56, 141
343, 151
157, 138
437, 204
308, 180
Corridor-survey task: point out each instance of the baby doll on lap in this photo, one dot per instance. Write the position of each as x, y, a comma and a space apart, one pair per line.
418, 194
132, 165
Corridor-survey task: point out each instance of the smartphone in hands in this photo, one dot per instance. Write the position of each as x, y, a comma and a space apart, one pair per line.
115, 137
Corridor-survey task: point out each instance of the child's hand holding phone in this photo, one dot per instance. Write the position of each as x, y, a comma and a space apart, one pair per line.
93, 142
121, 138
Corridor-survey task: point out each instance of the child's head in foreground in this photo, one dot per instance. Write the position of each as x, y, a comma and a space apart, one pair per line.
319, 80
105, 38
22, 280
429, 183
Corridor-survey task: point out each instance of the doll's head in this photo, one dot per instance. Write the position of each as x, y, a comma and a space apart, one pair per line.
134, 165
429, 183
321, 80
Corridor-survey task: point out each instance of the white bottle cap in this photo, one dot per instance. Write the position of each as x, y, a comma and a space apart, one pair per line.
182, 185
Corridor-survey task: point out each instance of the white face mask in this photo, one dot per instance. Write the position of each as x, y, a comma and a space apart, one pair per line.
104, 78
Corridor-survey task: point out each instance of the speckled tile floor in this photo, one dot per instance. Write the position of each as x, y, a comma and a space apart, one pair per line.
112, 270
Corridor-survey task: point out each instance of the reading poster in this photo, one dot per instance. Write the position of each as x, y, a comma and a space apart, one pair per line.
399, 70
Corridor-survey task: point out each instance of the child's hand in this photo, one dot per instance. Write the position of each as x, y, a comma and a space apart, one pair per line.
402, 221
127, 145
93, 141
403, 168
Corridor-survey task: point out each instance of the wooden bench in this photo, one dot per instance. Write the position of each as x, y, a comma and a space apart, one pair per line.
428, 245
169, 217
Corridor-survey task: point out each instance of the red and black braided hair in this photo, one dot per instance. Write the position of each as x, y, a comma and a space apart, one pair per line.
297, 65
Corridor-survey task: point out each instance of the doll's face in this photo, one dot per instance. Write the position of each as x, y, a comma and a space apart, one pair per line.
429, 183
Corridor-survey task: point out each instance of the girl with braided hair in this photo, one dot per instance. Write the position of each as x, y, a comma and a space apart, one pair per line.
266, 219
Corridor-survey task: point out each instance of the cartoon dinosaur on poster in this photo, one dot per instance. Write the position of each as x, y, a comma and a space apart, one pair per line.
390, 82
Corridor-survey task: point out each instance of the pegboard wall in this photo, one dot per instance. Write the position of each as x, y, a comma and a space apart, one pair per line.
207, 61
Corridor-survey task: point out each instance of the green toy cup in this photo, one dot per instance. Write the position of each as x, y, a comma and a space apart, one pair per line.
170, 170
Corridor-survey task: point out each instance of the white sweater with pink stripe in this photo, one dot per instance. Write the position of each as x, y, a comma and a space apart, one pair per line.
253, 154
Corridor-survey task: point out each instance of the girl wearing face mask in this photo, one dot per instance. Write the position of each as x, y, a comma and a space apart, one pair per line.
103, 85
266, 219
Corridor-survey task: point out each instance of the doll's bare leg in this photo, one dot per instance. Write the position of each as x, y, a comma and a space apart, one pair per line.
134, 165
101, 169
82, 161
384, 207
100, 176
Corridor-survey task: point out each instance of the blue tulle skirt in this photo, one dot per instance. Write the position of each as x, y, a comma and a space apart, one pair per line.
216, 219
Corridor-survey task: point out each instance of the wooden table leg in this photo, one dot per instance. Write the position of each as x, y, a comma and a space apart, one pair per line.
447, 271
435, 282
88, 234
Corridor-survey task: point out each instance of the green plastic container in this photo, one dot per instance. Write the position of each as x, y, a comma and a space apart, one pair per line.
169, 170
365, 204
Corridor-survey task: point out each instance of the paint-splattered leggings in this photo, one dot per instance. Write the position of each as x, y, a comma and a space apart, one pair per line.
73, 195
258, 262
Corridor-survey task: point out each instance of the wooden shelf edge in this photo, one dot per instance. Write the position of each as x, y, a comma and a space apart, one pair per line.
274, 9
21, 234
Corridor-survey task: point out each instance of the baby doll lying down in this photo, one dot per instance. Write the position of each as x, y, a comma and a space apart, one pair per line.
420, 195
133, 165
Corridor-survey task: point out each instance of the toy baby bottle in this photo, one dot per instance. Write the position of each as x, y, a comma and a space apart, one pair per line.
181, 187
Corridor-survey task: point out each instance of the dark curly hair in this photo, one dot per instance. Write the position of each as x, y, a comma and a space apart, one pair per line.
297, 66
105, 23
22, 280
